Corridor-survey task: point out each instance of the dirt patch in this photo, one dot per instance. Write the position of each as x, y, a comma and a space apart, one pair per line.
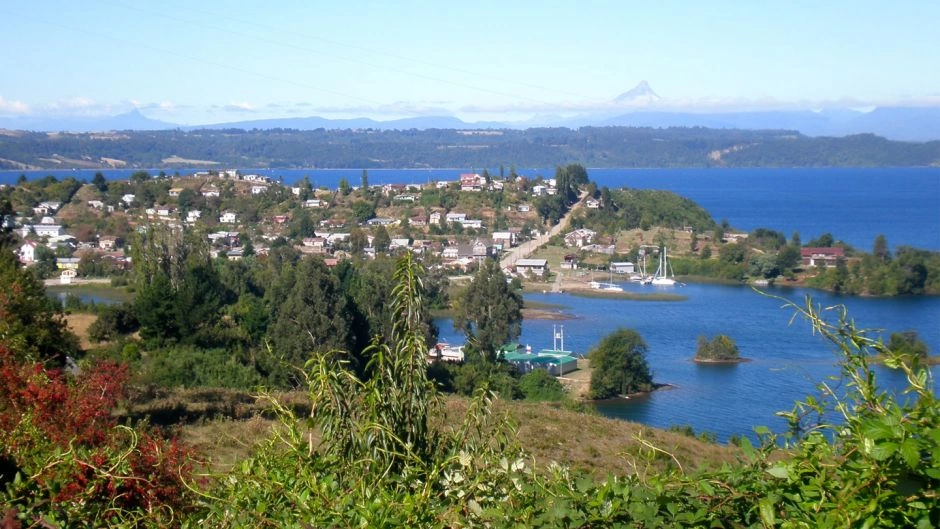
79, 324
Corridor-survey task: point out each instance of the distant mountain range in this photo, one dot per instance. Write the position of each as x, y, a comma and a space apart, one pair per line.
646, 109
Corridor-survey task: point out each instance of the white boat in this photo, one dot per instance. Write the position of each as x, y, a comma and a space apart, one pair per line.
664, 275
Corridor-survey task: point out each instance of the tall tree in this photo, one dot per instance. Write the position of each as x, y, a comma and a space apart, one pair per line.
31, 323
489, 311
313, 318
880, 249
619, 365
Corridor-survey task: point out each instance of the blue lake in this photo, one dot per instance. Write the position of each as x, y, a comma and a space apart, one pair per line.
787, 360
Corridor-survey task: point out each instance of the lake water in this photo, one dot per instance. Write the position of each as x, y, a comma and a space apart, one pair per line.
787, 361
855, 205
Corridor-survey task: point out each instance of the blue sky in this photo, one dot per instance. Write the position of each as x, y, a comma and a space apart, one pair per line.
214, 61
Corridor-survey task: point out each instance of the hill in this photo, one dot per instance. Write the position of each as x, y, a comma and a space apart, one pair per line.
536, 147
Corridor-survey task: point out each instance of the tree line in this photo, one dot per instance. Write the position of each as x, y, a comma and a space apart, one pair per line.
536, 147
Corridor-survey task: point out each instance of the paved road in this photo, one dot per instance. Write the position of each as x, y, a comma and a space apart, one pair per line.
79, 281
527, 248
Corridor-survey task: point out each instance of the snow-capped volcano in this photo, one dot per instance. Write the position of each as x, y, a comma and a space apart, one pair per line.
641, 94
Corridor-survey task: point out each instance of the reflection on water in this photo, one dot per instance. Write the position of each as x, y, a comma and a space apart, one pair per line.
787, 360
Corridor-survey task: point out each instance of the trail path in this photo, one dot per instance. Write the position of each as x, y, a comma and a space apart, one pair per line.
527, 248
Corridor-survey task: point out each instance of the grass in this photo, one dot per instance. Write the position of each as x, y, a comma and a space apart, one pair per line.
226, 426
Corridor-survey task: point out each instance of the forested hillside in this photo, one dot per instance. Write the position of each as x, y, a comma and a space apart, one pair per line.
593, 146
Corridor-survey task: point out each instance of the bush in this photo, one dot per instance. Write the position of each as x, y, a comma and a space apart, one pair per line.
539, 385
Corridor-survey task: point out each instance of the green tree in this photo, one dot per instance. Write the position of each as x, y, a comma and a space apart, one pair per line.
907, 343
100, 182
618, 365
880, 249
489, 311
363, 211
357, 240
364, 183
344, 188
313, 318
381, 240
31, 323
721, 348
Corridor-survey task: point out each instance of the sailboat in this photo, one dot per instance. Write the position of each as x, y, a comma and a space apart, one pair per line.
610, 286
664, 275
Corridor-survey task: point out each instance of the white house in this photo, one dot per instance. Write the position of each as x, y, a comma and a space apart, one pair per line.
28, 252
228, 217
211, 192
314, 203
471, 223
258, 189
580, 237
592, 203
41, 230
193, 215
625, 267
535, 267
504, 239
128, 198
455, 217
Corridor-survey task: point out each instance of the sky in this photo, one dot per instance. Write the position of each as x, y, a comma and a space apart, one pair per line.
217, 61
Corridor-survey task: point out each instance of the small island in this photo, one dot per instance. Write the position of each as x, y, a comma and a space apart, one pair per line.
719, 350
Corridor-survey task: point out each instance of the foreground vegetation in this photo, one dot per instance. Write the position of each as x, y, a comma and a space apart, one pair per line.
366, 451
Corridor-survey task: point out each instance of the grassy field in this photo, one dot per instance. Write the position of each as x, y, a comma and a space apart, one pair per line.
548, 432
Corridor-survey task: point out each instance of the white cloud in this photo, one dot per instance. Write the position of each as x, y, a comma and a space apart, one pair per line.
13, 107
239, 107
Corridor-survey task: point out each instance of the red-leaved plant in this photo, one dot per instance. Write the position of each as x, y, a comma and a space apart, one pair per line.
74, 461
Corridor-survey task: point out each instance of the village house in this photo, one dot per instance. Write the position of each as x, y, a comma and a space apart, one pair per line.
481, 249
381, 221
391, 189
455, 217
193, 215
165, 211
435, 217
175, 191
531, 267
27, 252
523, 208
580, 237
314, 203
97, 204
592, 203
471, 182
279, 219
107, 242
228, 217
41, 230
471, 223
405, 198
822, 257
504, 239
315, 242
47, 208
418, 221
399, 243
624, 267
258, 189
538, 190
211, 191
569, 262
128, 198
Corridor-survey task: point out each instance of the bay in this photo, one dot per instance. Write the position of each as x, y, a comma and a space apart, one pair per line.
787, 360
853, 204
